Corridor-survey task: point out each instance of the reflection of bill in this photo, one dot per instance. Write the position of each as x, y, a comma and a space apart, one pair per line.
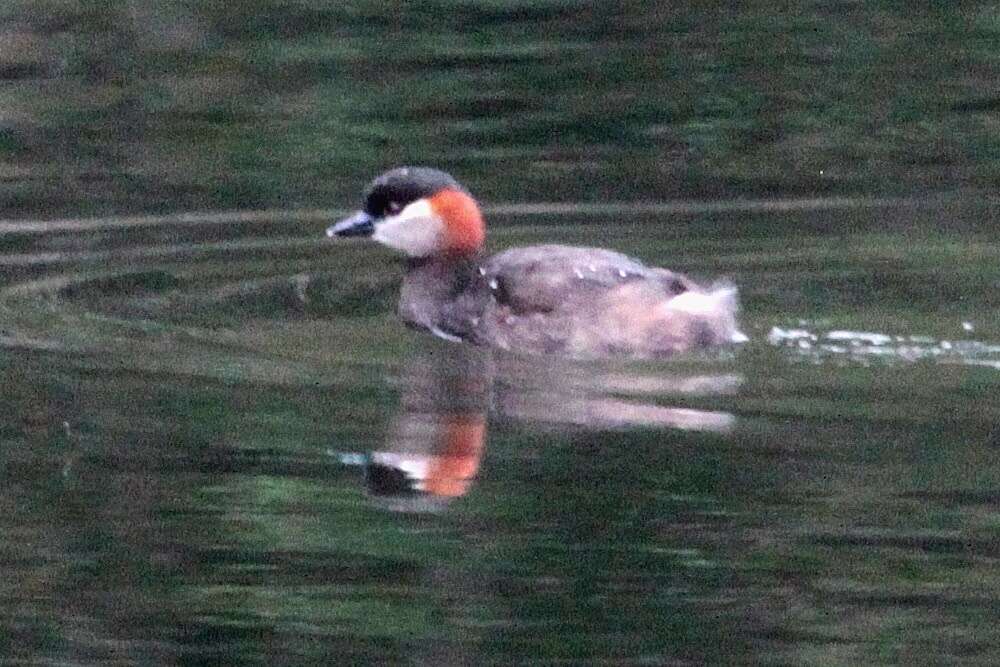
437, 440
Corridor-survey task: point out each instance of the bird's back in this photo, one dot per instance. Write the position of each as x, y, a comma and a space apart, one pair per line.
587, 302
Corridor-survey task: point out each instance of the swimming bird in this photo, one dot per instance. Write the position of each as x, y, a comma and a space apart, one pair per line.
542, 299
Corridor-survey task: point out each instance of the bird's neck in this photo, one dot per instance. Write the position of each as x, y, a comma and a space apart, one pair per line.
431, 288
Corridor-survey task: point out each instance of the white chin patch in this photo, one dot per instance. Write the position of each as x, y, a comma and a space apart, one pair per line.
416, 230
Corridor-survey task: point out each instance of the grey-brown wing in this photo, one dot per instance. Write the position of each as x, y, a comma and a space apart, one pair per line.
546, 277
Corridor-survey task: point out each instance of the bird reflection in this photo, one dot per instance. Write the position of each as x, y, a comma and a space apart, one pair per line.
437, 439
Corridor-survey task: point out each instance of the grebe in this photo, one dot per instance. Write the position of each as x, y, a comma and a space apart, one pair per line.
543, 299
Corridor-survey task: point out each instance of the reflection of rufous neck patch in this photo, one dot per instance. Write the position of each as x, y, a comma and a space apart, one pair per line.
456, 460
463, 223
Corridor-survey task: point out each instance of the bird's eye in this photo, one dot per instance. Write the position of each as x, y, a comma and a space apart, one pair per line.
393, 208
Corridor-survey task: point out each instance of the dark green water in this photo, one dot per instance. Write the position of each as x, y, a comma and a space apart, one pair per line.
219, 446
188, 408
168, 105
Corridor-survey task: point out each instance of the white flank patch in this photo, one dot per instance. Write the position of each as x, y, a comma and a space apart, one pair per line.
445, 335
416, 230
717, 307
717, 302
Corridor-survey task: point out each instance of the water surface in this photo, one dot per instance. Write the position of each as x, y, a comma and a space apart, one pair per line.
219, 442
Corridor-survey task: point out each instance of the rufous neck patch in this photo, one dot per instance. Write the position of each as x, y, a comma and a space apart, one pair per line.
463, 222
457, 455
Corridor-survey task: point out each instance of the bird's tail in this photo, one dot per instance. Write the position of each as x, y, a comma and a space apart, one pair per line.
714, 309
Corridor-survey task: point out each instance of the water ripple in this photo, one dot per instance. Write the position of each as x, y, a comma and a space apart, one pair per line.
867, 347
